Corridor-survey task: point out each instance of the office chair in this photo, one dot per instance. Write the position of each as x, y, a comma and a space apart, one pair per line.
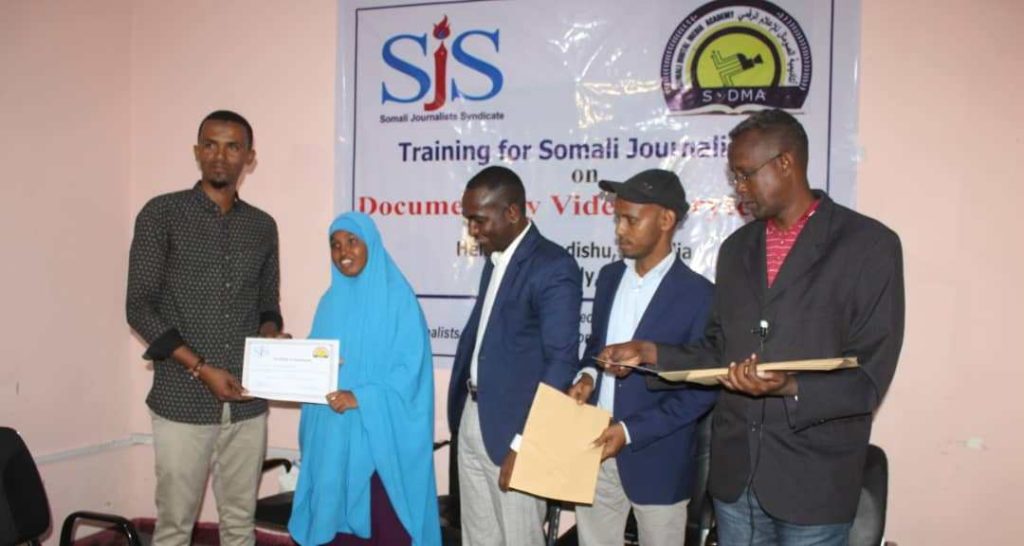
700, 513
24, 509
448, 505
273, 512
869, 523
553, 517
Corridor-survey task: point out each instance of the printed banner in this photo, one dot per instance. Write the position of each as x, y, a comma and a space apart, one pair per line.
566, 94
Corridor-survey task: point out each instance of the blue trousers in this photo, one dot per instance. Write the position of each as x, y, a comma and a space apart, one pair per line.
745, 523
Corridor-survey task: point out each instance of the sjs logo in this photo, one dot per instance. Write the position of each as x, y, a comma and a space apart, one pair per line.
468, 40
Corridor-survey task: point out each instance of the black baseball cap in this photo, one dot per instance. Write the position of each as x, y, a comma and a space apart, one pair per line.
656, 186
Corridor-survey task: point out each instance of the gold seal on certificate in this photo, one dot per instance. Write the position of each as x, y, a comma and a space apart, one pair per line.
291, 370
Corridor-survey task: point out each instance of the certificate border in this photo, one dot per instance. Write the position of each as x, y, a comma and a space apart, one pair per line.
333, 345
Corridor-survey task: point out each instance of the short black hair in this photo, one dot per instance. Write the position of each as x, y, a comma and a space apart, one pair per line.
779, 125
503, 181
230, 117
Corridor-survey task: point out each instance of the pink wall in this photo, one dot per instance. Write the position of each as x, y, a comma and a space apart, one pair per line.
274, 66
64, 147
98, 108
939, 124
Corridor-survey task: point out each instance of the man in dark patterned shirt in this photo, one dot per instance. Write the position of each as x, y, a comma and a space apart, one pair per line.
203, 275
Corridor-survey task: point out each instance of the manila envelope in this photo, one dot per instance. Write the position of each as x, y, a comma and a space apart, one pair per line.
709, 376
557, 458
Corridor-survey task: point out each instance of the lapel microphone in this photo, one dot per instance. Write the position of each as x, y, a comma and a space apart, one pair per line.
761, 331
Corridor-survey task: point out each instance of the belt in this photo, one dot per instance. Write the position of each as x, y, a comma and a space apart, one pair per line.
472, 389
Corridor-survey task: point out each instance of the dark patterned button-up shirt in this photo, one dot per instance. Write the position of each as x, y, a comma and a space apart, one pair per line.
206, 279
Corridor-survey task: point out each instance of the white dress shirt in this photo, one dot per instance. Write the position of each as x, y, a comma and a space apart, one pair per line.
634, 294
500, 261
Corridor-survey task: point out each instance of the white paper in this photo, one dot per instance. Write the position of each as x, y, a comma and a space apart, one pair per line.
291, 370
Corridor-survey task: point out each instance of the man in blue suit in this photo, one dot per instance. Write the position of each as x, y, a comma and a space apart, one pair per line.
649, 449
524, 330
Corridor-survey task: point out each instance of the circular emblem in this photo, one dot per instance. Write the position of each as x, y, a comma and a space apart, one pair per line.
734, 57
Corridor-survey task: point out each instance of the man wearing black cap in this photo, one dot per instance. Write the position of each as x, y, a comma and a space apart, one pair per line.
649, 449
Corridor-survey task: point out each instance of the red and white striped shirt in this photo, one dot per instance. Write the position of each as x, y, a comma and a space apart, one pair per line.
778, 242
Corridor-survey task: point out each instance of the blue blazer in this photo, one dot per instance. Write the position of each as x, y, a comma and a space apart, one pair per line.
532, 336
658, 466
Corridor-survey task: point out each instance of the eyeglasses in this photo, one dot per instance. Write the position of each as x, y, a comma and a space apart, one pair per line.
737, 178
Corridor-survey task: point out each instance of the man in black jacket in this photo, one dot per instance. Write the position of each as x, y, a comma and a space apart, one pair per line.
807, 279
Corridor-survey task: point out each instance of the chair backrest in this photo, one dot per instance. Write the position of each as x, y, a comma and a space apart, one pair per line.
700, 513
869, 523
24, 511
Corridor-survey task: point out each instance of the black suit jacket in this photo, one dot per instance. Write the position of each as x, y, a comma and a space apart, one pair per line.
839, 293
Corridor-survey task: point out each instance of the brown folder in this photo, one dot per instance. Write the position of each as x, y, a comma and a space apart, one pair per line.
557, 458
710, 376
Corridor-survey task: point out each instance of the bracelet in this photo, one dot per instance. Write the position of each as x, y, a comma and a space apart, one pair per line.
194, 370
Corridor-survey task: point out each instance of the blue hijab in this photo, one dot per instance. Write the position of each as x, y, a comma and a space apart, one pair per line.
385, 347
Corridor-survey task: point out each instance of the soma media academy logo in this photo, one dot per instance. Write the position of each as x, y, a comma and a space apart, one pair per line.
407, 54
736, 56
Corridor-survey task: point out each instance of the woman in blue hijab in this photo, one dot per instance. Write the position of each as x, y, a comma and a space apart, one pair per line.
367, 464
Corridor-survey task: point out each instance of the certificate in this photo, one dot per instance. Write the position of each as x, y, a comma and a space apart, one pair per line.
292, 370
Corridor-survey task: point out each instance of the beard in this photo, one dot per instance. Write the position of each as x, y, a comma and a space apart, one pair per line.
219, 183
627, 250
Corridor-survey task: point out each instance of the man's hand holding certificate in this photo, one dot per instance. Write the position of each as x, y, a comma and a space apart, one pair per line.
624, 358
291, 370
